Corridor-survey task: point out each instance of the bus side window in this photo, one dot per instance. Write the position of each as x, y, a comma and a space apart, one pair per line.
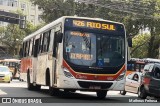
33, 46
142, 67
130, 67
21, 52
51, 39
137, 67
46, 40
40, 44
55, 44
30, 47
25, 49
43, 43
37, 42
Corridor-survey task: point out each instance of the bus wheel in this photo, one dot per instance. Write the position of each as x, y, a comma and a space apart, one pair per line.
101, 94
123, 92
142, 93
37, 87
66, 90
73, 90
29, 85
69, 90
53, 91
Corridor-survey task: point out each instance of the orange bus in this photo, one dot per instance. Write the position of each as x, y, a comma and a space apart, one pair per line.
133, 66
14, 65
136, 64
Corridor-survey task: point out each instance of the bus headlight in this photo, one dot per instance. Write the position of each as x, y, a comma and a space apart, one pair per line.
67, 73
121, 76
7, 75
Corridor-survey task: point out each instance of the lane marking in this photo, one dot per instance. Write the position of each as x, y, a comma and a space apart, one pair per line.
110, 93
2, 92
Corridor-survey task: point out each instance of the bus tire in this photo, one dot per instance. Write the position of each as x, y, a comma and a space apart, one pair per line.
53, 91
69, 90
29, 85
66, 90
123, 92
48, 78
37, 87
72, 90
101, 94
142, 93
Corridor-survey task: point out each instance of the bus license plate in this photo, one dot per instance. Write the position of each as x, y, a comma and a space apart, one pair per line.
94, 87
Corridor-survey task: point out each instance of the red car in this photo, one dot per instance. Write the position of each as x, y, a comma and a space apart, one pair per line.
150, 83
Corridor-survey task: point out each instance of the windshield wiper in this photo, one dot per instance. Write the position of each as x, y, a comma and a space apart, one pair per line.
87, 42
100, 50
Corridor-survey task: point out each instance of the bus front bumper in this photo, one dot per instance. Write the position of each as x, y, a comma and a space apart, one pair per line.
79, 84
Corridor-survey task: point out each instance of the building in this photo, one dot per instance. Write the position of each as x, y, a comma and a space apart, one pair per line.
32, 12
27, 8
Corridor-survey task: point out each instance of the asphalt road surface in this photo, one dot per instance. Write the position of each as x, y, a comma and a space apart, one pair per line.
18, 90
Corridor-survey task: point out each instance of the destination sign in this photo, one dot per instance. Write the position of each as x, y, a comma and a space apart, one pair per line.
74, 33
94, 25
81, 56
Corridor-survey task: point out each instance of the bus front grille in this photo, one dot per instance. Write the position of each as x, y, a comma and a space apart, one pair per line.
2, 75
102, 85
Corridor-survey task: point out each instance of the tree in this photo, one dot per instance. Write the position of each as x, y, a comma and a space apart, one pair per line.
12, 38
29, 28
135, 14
140, 47
153, 24
54, 9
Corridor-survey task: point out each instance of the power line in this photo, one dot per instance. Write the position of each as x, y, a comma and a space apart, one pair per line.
135, 7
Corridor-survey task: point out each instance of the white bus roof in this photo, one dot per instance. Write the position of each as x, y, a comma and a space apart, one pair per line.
146, 60
10, 60
152, 60
46, 27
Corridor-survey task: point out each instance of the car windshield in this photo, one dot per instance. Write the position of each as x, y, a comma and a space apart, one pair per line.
4, 69
93, 49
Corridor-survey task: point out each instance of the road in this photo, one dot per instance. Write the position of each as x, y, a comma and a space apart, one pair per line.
19, 89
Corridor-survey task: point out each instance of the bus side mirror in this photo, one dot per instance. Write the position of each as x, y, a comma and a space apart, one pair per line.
129, 42
59, 37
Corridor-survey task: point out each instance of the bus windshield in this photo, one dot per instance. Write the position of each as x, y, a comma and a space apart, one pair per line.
93, 49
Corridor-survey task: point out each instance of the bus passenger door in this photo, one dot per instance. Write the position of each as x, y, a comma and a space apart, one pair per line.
35, 59
56, 48
55, 52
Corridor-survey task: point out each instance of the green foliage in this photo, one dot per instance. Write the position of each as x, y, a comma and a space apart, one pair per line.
29, 28
144, 14
140, 47
12, 36
54, 9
